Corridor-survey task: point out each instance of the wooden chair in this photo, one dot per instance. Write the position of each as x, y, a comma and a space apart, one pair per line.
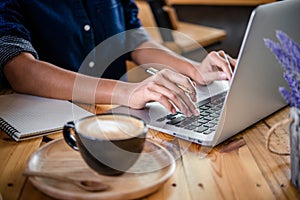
182, 36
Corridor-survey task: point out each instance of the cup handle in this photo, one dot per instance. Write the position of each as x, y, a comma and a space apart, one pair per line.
69, 127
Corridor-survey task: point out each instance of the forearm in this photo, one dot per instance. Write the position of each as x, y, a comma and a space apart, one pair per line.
152, 52
31, 76
28, 75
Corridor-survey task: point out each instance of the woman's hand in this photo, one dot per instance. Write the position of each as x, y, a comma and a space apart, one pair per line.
215, 66
163, 87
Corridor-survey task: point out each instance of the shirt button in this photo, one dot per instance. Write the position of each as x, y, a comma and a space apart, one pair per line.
87, 27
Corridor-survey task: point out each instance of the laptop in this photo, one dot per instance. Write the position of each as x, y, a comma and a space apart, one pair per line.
252, 94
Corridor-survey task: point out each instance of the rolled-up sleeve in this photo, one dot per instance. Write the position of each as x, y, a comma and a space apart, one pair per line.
12, 46
14, 36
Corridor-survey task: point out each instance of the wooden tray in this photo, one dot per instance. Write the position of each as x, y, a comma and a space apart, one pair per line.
154, 167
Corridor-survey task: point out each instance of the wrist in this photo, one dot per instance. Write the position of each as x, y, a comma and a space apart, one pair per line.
120, 93
105, 91
190, 69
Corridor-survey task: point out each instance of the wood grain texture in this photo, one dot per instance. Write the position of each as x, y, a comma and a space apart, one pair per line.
235, 165
239, 168
275, 169
14, 157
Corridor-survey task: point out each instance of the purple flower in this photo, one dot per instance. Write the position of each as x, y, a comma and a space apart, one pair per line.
287, 52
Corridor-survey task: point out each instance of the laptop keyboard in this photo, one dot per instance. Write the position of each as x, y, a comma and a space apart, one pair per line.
206, 122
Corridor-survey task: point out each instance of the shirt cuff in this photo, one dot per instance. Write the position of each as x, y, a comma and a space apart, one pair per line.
10, 47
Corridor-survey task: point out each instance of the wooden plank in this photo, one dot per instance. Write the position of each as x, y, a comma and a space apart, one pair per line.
201, 184
176, 188
16, 154
221, 2
228, 172
275, 169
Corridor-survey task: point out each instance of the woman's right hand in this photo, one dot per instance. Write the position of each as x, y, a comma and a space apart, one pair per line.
163, 88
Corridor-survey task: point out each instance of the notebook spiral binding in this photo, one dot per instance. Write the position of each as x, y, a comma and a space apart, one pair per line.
6, 127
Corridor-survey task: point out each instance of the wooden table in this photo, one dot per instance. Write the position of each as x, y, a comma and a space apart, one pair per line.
240, 168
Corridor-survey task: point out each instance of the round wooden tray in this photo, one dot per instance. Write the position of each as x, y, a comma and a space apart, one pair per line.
154, 167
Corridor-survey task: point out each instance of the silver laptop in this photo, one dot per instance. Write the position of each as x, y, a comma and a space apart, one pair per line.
253, 94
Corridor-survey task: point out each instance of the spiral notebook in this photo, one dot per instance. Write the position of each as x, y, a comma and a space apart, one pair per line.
25, 116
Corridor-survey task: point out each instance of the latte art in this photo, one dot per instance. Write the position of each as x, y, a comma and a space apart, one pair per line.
111, 127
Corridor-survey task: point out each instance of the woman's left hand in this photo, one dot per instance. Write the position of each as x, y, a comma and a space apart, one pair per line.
215, 66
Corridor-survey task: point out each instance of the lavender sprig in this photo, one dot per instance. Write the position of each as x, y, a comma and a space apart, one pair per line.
287, 52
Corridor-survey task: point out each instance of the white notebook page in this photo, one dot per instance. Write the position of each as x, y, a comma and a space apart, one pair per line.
32, 115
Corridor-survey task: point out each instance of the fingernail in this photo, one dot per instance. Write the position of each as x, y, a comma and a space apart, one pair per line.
189, 114
173, 111
196, 112
194, 99
194, 83
224, 76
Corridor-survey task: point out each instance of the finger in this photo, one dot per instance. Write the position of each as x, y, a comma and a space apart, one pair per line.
163, 100
232, 62
174, 97
181, 81
226, 67
215, 75
218, 60
178, 91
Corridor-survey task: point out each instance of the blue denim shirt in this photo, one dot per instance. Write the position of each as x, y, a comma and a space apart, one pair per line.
63, 32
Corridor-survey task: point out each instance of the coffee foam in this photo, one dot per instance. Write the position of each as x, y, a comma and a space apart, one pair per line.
112, 127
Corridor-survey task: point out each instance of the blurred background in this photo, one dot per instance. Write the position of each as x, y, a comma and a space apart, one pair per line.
230, 16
